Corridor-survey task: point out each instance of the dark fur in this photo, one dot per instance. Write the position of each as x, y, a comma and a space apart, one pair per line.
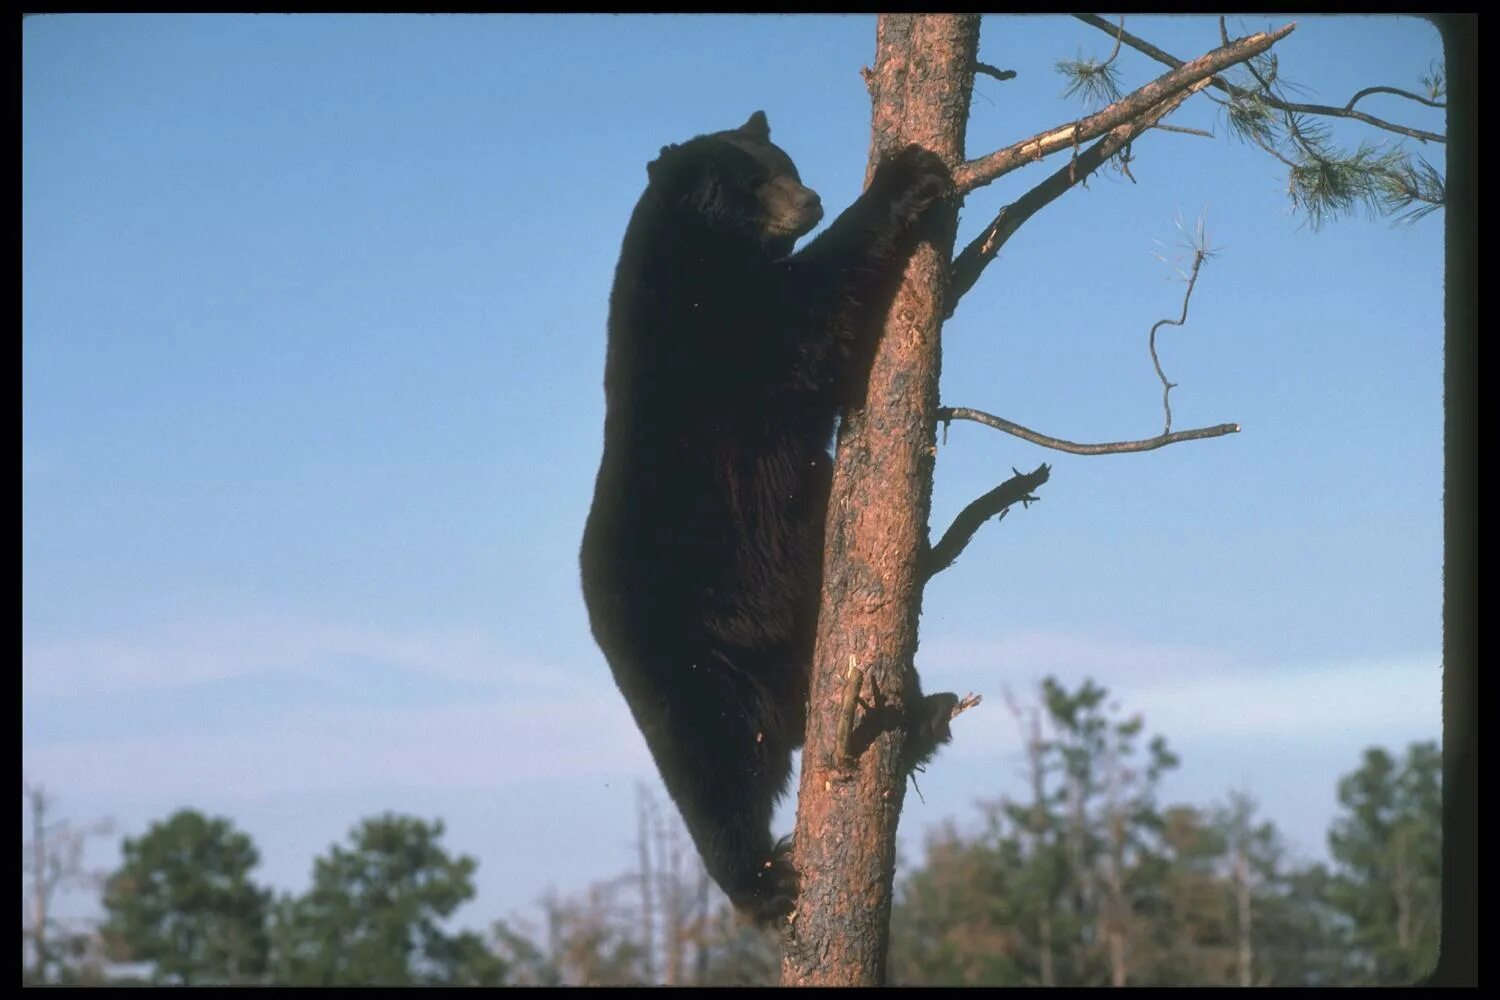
729, 359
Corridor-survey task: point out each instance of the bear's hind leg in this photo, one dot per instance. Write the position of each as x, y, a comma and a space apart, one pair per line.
725, 762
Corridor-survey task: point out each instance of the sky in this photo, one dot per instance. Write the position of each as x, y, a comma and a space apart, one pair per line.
313, 327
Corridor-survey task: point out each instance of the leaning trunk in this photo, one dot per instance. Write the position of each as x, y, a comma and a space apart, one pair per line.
877, 530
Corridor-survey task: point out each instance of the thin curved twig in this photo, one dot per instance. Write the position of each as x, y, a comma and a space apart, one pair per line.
948, 413
1399, 93
1198, 257
1116, 51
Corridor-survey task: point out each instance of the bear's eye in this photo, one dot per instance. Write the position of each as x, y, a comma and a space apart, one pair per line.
754, 180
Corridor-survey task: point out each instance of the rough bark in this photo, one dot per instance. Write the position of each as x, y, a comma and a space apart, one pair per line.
877, 529
851, 791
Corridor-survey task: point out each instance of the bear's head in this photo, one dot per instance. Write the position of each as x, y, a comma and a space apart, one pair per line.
739, 183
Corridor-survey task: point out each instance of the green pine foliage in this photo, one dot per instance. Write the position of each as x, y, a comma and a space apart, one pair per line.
1087, 879
183, 902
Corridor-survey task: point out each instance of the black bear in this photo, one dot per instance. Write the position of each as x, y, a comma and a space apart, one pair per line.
729, 359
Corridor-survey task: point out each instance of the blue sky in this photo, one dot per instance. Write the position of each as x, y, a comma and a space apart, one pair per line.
313, 329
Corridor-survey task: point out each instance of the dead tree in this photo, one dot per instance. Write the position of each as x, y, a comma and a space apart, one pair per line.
877, 555
54, 862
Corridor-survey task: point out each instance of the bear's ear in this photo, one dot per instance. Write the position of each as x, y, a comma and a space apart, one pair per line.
654, 166
757, 126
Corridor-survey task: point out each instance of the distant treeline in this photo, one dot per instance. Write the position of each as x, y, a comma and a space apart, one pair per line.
1086, 880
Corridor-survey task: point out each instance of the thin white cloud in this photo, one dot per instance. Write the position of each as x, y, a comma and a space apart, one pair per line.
550, 723
479, 746
218, 649
1400, 696
1036, 653
1186, 693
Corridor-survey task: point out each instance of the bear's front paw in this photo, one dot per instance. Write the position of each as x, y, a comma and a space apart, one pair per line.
917, 178
927, 727
775, 893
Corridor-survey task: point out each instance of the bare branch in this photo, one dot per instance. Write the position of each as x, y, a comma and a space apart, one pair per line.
977, 173
1184, 130
994, 503
1326, 109
971, 262
1166, 59
1116, 50
999, 74
1393, 90
948, 413
1199, 255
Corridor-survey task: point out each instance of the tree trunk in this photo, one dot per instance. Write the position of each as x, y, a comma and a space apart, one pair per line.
877, 530
1117, 910
643, 816
674, 905
1403, 889
39, 883
1242, 894
1039, 836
